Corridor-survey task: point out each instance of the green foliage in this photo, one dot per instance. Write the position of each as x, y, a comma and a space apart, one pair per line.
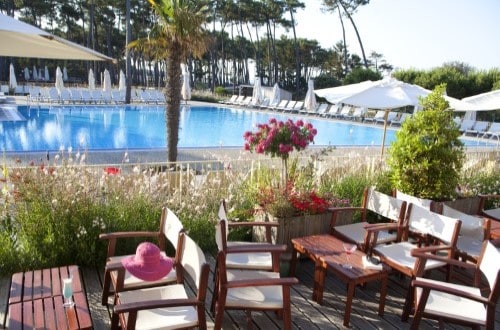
220, 91
427, 156
326, 81
361, 74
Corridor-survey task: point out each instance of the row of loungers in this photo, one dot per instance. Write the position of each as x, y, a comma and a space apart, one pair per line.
481, 129
92, 96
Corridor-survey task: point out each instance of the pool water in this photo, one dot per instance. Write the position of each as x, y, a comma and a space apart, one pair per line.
143, 127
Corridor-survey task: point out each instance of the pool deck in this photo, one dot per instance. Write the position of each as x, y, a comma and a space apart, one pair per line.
141, 156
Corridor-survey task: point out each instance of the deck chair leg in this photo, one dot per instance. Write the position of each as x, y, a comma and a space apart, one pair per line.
105, 288
216, 290
249, 319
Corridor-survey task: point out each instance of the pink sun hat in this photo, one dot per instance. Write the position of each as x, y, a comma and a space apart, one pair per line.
148, 264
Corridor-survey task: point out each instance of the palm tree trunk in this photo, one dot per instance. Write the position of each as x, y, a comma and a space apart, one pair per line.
357, 34
346, 65
173, 95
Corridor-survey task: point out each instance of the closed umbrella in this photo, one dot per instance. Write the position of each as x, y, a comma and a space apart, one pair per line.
122, 83
91, 79
257, 92
47, 75
65, 74
40, 74
276, 97
107, 81
186, 88
35, 73
26, 74
59, 79
12, 77
310, 100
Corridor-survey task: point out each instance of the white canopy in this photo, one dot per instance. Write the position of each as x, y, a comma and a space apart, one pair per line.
388, 93
23, 40
485, 101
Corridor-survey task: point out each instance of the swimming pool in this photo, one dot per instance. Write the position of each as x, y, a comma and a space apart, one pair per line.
143, 127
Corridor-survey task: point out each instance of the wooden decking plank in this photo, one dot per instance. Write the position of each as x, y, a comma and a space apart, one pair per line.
101, 318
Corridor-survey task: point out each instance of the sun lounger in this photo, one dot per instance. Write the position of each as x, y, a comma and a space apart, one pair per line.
493, 131
238, 100
322, 109
344, 113
357, 113
401, 119
270, 106
390, 117
334, 111
281, 105
378, 115
231, 100
479, 128
289, 107
264, 104
246, 101
298, 106
467, 124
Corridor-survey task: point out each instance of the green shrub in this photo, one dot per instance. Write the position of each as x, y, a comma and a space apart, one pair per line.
427, 156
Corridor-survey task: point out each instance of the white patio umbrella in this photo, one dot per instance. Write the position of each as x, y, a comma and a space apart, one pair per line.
27, 74
186, 88
24, 40
122, 83
276, 97
485, 101
59, 79
40, 74
47, 75
12, 77
257, 91
35, 73
310, 100
65, 74
91, 79
107, 81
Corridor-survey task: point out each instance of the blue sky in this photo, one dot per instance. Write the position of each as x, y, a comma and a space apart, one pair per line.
420, 34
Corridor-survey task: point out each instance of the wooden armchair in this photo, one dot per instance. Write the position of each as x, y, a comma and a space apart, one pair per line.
170, 226
439, 230
381, 205
251, 290
492, 213
165, 307
456, 303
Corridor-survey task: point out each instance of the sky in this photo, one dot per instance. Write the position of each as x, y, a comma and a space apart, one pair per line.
419, 34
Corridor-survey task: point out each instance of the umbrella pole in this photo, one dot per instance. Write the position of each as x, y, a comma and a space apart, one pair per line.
385, 131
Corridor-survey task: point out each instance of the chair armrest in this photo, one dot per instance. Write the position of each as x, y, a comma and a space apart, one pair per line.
253, 248
263, 282
337, 211
128, 234
433, 285
425, 253
252, 224
376, 227
152, 304
114, 265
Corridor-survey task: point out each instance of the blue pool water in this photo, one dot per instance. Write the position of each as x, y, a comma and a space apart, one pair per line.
143, 127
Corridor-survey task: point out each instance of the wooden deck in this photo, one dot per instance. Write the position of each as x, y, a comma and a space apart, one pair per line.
306, 314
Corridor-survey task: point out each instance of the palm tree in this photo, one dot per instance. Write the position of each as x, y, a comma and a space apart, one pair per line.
179, 33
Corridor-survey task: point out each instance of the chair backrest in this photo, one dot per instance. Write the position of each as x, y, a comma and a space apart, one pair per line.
472, 226
490, 266
422, 202
426, 222
221, 228
170, 226
385, 205
193, 259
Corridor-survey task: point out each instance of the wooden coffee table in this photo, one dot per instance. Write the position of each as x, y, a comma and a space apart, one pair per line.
36, 301
328, 255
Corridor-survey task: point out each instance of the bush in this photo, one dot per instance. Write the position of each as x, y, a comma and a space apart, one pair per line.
427, 156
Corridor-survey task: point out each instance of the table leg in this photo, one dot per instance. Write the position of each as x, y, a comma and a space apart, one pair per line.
348, 304
383, 293
319, 282
293, 262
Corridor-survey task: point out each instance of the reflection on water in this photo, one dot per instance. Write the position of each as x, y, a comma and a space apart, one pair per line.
130, 127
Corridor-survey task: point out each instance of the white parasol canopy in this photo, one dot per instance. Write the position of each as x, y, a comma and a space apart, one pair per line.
485, 101
186, 88
276, 97
107, 81
310, 100
122, 83
65, 74
35, 73
27, 74
91, 79
47, 75
20, 39
257, 92
59, 79
12, 77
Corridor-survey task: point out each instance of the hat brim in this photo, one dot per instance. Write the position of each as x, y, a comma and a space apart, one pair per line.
146, 272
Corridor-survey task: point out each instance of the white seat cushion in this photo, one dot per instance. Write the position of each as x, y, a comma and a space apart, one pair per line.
131, 281
356, 233
469, 245
254, 296
447, 305
401, 253
162, 318
260, 260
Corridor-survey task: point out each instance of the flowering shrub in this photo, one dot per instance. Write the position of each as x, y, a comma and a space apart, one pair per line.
279, 138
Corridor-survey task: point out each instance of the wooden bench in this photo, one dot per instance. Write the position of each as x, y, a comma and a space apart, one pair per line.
36, 300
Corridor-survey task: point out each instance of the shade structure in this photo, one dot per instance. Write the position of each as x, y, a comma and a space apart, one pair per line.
65, 74
59, 79
47, 74
35, 73
257, 91
12, 77
20, 39
276, 97
186, 88
107, 81
485, 101
91, 79
310, 100
122, 83
27, 75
